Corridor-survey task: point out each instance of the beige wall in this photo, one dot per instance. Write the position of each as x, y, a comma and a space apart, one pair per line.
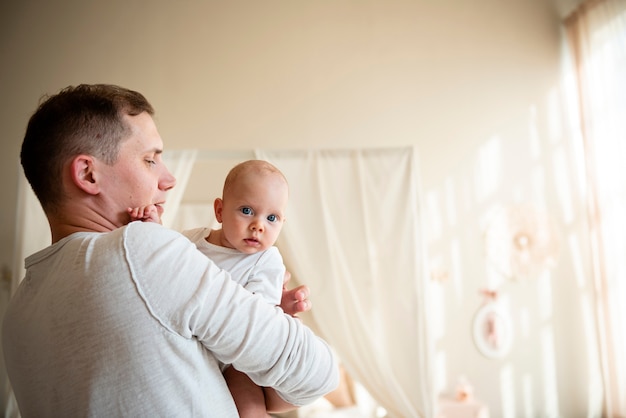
446, 76
443, 75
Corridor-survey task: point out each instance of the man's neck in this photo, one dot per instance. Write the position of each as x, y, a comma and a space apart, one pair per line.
88, 221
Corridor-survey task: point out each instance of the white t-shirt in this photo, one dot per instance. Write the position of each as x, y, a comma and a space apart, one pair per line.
262, 273
133, 322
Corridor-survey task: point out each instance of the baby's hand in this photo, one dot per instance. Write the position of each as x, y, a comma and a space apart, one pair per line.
147, 213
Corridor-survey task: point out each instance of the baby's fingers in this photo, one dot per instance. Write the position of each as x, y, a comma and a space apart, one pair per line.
135, 213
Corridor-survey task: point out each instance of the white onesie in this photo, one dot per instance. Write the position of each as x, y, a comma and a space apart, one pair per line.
262, 273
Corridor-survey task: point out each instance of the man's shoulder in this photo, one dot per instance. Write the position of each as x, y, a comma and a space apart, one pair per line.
146, 226
149, 232
196, 234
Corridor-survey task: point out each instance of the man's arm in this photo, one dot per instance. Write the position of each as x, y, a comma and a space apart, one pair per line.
293, 302
238, 328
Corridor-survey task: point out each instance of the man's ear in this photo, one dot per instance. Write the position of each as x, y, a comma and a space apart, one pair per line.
83, 174
218, 205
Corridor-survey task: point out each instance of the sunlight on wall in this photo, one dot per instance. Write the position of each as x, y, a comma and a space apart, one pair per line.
551, 402
538, 186
563, 188
555, 117
439, 313
576, 260
451, 203
507, 391
544, 291
488, 168
466, 191
494, 278
441, 381
457, 269
524, 323
595, 391
435, 221
533, 134
527, 396
541, 171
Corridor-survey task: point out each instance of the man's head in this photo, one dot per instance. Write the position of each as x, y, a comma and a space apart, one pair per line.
86, 119
253, 205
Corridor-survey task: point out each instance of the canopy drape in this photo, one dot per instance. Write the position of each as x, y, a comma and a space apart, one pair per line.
354, 235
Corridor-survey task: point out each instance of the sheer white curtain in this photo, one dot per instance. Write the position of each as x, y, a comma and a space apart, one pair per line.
597, 34
181, 164
354, 235
32, 229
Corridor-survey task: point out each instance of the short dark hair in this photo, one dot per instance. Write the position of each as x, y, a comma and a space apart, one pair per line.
85, 119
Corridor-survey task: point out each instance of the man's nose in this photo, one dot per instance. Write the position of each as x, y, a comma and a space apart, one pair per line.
167, 180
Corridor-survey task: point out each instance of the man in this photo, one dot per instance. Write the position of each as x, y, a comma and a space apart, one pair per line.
129, 319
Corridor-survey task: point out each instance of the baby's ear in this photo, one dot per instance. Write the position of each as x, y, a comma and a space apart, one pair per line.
82, 170
218, 206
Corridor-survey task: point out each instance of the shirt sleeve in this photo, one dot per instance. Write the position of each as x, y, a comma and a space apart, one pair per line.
267, 276
192, 298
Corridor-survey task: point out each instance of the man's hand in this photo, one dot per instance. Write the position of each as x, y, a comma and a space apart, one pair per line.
295, 300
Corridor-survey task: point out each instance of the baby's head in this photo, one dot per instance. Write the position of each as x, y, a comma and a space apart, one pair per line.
252, 207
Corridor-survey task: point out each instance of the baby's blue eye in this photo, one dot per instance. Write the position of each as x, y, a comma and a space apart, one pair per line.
246, 211
271, 218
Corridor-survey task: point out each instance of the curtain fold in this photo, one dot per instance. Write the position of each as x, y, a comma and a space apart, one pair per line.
32, 229
180, 164
353, 234
596, 32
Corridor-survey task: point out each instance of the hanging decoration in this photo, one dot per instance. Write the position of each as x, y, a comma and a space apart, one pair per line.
492, 328
520, 242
